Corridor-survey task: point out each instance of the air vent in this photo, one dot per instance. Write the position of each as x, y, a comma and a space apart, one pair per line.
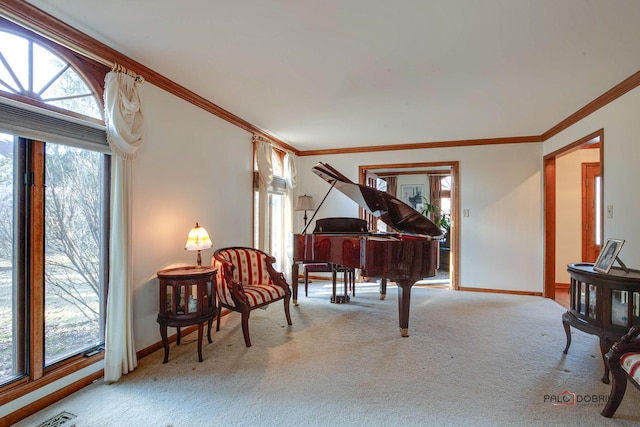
59, 420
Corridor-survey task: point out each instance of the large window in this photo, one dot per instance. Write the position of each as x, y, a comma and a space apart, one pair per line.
54, 188
274, 229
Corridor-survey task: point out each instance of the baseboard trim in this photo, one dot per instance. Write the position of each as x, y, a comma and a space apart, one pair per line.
500, 291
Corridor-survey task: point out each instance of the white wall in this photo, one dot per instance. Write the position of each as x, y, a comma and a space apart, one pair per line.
621, 174
569, 209
192, 167
501, 240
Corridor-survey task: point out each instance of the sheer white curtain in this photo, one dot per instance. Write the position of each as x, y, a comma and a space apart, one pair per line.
264, 160
291, 177
265, 155
124, 121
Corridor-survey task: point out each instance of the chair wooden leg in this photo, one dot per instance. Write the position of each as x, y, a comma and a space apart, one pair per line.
306, 283
286, 310
245, 328
218, 317
618, 387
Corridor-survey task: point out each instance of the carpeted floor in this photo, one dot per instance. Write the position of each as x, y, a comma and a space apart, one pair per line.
471, 358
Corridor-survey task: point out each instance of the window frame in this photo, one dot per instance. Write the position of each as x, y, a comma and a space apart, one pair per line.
32, 285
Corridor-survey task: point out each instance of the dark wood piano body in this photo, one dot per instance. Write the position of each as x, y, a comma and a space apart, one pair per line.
401, 258
395, 257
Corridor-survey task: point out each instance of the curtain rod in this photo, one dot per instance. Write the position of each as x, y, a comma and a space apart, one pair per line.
257, 138
122, 69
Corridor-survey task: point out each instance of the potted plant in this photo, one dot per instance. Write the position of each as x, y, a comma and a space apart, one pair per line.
440, 218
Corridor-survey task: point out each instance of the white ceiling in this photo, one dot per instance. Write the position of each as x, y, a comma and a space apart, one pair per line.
348, 73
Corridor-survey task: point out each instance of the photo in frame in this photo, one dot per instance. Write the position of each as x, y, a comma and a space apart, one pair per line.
608, 255
413, 195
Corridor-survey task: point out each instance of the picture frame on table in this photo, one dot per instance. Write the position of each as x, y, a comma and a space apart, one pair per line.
608, 255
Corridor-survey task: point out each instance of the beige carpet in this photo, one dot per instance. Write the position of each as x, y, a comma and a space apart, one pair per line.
471, 359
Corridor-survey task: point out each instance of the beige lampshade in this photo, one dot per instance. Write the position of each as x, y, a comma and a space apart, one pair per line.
305, 203
198, 239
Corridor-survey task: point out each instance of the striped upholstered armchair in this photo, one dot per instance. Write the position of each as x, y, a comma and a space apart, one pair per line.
624, 363
247, 280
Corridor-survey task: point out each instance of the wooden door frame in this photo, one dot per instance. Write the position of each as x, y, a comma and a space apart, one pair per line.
549, 185
454, 234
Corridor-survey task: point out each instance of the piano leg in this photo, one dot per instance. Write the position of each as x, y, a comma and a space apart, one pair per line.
383, 288
404, 301
294, 282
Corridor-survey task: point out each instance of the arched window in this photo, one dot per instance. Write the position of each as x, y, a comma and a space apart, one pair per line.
31, 70
54, 204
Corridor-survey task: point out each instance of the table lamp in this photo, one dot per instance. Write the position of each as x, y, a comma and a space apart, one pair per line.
197, 240
305, 203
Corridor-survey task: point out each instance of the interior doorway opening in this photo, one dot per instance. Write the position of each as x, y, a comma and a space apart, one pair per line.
432, 189
582, 216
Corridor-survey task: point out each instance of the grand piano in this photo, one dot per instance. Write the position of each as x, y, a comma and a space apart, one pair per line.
404, 256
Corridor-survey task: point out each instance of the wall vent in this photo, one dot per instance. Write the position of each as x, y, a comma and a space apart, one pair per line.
59, 420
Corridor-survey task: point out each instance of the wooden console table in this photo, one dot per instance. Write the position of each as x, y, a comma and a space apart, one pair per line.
187, 297
606, 305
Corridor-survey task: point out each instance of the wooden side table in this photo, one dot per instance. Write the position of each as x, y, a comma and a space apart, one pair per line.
187, 297
602, 304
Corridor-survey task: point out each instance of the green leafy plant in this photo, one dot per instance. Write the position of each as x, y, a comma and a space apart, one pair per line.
438, 216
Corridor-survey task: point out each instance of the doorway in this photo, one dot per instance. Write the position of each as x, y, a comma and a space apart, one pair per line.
440, 169
556, 229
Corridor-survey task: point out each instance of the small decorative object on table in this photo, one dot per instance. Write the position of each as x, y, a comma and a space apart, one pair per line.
609, 255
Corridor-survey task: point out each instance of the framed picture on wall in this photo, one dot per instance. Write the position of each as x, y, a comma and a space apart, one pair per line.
608, 255
413, 195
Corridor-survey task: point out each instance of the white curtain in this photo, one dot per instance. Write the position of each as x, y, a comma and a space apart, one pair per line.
291, 177
264, 159
124, 122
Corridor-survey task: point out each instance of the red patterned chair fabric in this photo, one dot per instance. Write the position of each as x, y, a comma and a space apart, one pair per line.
624, 363
247, 280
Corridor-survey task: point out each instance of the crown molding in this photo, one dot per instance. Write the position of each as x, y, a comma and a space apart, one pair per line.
47, 26
421, 145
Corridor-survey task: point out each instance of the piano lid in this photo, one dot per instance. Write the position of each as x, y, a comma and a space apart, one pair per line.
394, 212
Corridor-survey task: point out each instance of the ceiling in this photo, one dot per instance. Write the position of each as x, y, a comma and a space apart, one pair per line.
353, 73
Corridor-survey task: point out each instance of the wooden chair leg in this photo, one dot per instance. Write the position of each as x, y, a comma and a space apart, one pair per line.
618, 387
286, 311
245, 328
218, 317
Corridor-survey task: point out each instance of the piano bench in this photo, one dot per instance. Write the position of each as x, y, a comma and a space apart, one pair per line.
323, 267
349, 279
